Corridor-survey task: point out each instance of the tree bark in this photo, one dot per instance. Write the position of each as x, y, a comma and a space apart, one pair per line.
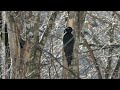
80, 18
76, 21
51, 24
13, 38
2, 49
70, 23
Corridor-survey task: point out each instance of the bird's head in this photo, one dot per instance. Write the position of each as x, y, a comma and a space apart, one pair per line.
68, 30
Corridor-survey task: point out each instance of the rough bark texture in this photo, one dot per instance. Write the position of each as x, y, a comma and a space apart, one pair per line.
76, 21
14, 34
70, 23
51, 24
2, 49
79, 21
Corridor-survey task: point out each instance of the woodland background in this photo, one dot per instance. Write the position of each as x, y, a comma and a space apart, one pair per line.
40, 33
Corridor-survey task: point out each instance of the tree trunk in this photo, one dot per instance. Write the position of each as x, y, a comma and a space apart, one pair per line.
13, 38
76, 21
79, 21
37, 51
70, 23
2, 49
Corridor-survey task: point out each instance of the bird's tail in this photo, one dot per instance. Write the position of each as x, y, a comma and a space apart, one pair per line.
69, 60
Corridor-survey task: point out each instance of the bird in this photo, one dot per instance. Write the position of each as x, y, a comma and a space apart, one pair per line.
68, 44
22, 42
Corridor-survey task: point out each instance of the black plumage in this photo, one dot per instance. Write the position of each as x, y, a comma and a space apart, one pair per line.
6, 36
68, 43
22, 43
